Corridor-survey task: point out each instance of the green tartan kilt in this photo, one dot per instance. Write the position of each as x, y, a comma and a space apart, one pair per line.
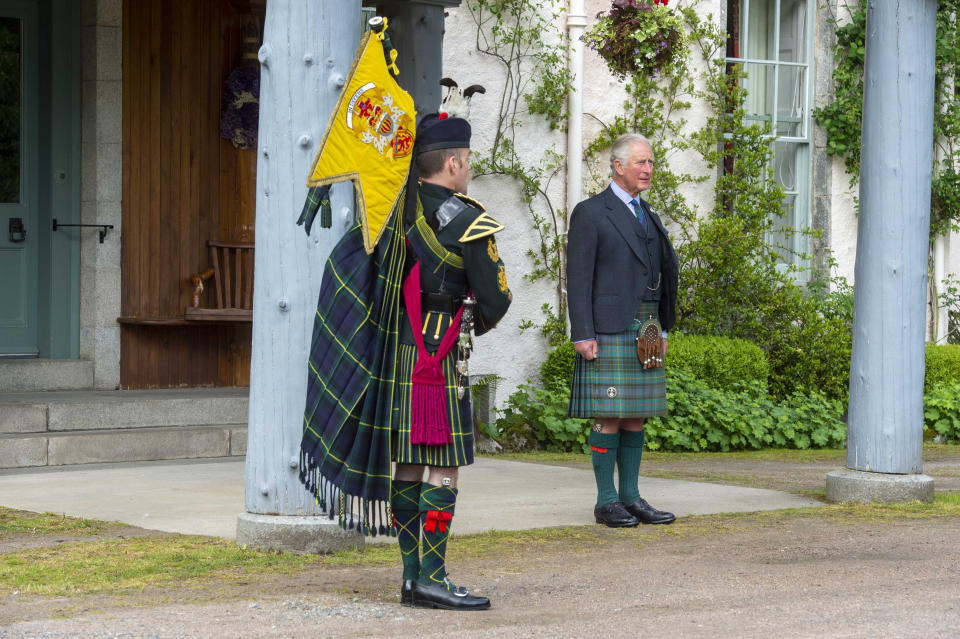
614, 384
459, 416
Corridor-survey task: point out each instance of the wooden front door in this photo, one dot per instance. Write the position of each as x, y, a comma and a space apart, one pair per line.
183, 185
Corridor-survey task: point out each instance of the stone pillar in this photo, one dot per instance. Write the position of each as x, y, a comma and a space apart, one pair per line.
101, 188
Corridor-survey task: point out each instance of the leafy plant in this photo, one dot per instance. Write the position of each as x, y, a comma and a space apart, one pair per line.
556, 372
941, 410
706, 419
637, 37
949, 298
537, 418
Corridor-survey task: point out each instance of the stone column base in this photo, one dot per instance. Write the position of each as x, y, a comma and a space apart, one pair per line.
856, 485
296, 534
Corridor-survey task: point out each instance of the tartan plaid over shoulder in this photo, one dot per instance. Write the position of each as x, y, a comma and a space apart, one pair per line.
345, 450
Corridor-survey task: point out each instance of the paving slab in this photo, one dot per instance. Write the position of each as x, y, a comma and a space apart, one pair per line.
204, 497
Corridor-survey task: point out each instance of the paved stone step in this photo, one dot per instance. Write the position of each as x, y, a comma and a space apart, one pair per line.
32, 374
23, 450
101, 410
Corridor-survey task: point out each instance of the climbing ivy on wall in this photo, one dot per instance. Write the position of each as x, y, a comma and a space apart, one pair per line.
525, 38
841, 118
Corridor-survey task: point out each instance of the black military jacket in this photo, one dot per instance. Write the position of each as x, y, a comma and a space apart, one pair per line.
469, 235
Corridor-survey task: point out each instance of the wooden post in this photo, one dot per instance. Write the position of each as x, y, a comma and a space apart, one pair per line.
307, 51
885, 426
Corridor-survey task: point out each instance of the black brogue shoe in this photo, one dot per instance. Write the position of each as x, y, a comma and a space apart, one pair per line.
406, 592
647, 514
446, 596
614, 515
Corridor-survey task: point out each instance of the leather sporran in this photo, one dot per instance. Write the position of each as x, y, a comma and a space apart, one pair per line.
650, 344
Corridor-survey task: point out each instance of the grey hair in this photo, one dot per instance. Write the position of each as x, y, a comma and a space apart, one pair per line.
623, 145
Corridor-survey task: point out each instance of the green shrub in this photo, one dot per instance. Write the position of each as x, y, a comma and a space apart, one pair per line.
943, 366
812, 354
941, 410
707, 419
537, 418
556, 372
723, 363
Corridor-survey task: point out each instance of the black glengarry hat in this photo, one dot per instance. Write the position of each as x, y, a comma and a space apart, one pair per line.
441, 132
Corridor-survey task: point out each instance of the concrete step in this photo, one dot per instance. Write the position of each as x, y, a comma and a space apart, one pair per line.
85, 427
142, 444
98, 410
24, 375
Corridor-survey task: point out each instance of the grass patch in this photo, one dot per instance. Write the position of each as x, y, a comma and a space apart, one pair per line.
119, 566
19, 522
134, 564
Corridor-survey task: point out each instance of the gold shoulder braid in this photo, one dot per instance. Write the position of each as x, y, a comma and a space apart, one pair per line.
483, 226
650, 344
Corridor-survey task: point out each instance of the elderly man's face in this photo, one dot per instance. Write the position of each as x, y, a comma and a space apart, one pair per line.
635, 174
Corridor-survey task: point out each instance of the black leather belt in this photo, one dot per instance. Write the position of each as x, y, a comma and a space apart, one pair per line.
438, 302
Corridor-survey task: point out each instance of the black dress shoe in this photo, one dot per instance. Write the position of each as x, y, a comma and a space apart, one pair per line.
647, 514
614, 515
406, 592
446, 596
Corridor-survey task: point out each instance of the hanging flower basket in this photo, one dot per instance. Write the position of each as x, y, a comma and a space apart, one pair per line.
637, 36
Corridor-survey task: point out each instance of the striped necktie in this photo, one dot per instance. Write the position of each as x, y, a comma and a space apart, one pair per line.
637, 210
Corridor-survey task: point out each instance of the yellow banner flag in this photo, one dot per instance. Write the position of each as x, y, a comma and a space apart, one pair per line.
369, 139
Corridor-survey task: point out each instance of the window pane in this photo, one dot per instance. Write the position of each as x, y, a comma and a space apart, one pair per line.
758, 82
790, 170
10, 44
791, 102
785, 165
757, 30
793, 26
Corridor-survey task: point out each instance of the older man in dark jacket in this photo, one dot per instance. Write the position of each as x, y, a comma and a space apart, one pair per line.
622, 288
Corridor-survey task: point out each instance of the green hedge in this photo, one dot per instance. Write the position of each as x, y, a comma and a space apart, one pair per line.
723, 363
943, 366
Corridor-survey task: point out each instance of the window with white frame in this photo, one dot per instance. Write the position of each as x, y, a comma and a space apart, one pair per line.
773, 41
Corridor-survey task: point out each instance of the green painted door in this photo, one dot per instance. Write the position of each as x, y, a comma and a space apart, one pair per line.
19, 193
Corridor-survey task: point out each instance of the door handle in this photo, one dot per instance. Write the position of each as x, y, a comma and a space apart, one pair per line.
17, 231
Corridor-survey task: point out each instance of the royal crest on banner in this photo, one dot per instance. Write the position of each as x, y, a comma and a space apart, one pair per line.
369, 139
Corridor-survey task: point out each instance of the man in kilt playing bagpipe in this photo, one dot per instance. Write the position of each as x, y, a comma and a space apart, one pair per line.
622, 291
402, 293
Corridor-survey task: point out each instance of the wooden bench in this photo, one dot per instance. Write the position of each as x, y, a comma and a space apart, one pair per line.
231, 267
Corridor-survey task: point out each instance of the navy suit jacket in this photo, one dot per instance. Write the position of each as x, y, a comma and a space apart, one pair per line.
606, 273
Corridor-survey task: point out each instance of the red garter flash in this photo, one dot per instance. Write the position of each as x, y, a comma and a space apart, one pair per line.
437, 518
